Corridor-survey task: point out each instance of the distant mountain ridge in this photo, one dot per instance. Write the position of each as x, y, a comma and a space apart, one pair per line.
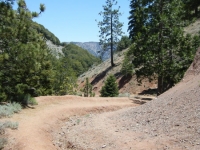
92, 47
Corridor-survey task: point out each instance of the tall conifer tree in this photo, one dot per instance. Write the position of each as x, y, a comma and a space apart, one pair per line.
157, 51
24, 60
110, 27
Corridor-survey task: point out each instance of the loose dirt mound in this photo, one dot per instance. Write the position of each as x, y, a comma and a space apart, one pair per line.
170, 122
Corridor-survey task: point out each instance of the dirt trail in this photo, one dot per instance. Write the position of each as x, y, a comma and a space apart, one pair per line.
170, 122
37, 126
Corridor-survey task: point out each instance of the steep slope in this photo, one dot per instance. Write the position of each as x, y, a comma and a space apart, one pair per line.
172, 121
98, 74
46, 33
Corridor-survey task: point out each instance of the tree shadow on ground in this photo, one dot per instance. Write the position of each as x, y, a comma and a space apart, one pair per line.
100, 76
124, 80
138, 102
149, 91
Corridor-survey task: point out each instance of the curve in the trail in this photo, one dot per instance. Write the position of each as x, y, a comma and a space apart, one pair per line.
36, 126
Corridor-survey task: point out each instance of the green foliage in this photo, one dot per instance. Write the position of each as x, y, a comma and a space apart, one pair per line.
110, 88
8, 124
3, 126
124, 43
9, 109
87, 89
191, 8
160, 49
137, 19
27, 67
110, 28
68, 86
64, 77
127, 66
78, 59
46, 33
24, 57
68, 67
32, 101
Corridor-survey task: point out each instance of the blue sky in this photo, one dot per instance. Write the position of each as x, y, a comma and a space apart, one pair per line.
74, 20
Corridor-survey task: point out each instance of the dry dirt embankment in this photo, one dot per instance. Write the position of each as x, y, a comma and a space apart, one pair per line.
37, 126
170, 122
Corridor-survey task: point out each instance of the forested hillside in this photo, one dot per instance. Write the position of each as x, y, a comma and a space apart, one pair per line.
79, 59
27, 66
46, 33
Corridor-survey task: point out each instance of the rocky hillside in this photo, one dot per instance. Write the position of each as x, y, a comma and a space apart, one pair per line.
56, 50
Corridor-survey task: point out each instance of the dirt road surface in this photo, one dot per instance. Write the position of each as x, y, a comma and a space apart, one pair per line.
38, 126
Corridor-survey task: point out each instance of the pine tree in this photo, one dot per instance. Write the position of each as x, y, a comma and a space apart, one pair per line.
87, 89
191, 8
124, 43
110, 27
158, 40
127, 66
25, 65
110, 89
137, 19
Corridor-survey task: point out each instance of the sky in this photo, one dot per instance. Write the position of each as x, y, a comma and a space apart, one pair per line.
74, 20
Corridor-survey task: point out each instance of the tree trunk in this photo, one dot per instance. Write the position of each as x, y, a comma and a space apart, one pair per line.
160, 53
160, 85
196, 11
111, 44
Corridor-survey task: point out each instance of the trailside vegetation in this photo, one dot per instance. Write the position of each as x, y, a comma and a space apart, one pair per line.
110, 88
24, 64
110, 28
87, 89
